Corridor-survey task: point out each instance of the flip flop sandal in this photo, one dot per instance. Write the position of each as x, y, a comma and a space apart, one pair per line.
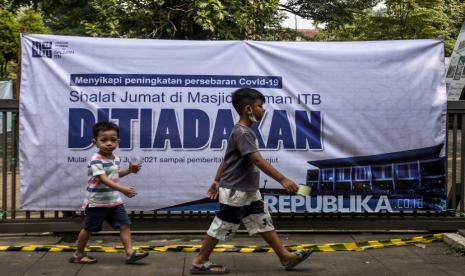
206, 268
79, 259
299, 256
135, 256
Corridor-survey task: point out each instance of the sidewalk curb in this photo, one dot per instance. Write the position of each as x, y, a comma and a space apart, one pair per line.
455, 240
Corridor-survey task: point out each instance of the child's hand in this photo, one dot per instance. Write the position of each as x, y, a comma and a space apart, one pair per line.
289, 185
134, 167
213, 190
128, 191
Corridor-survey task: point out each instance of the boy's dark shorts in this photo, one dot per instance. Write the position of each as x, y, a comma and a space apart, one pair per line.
115, 216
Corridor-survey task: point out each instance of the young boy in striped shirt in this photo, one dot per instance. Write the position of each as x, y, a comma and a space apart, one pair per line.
103, 200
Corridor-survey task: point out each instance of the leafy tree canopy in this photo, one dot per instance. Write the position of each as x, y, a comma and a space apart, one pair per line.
10, 25
329, 13
192, 19
394, 19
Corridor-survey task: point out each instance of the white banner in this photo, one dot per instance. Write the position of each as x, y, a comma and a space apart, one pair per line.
6, 92
324, 101
455, 78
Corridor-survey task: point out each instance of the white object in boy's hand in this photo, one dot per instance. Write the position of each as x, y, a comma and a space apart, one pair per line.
304, 190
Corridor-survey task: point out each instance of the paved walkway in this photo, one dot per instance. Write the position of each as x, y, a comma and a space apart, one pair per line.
431, 259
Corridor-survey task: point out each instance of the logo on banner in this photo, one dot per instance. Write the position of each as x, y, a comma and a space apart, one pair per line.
42, 49
45, 49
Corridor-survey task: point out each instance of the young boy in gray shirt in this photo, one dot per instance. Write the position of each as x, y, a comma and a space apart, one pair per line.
236, 185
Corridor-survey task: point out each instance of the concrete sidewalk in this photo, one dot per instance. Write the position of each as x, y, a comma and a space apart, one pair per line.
431, 259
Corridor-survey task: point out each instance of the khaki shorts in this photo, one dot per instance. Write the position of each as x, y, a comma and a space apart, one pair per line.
238, 207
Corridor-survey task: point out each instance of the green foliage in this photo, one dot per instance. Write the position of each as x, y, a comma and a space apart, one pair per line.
405, 19
209, 14
191, 19
330, 13
9, 35
9, 40
32, 22
10, 26
455, 9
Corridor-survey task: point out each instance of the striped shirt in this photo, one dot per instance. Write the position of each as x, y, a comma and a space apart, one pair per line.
99, 194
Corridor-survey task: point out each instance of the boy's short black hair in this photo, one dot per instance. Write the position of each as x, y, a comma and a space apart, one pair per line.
104, 126
245, 96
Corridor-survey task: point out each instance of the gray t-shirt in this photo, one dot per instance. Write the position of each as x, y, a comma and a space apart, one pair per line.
240, 173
